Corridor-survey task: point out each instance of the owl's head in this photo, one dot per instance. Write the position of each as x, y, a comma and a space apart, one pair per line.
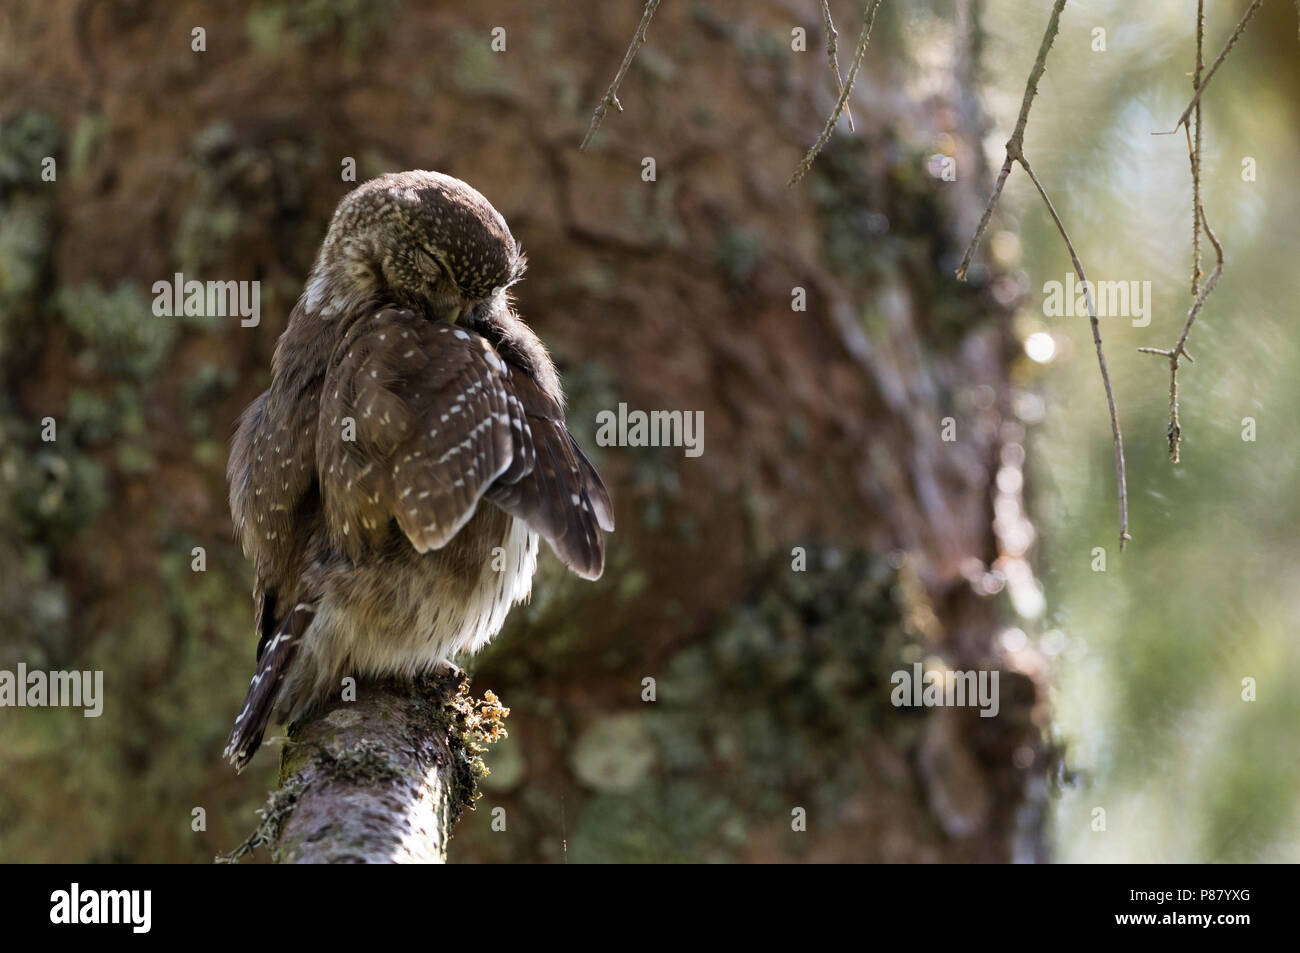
422, 240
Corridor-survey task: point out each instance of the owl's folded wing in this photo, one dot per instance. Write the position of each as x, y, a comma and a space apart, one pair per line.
439, 421
561, 495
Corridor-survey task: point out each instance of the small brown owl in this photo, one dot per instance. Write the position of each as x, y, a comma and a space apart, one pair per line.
391, 484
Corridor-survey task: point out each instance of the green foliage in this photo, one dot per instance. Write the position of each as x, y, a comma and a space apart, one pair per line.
24, 247
205, 386
740, 251
26, 212
354, 24
1149, 693
770, 702
86, 138
211, 222
120, 332
34, 604
24, 142
96, 418
875, 228
477, 68
53, 493
615, 754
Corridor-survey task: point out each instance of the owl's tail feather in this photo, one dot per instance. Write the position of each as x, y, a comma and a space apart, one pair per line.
264, 691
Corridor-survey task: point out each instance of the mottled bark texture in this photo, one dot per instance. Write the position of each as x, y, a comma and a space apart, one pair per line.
382, 779
824, 429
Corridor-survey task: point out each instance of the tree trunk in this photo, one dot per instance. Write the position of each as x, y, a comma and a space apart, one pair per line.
731, 671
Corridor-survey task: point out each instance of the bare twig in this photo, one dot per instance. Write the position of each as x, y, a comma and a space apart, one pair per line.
868, 18
1120, 478
832, 37
1016, 154
1195, 311
1180, 348
1232, 41
611, 95
1199, 224
1194, 150
1015, 145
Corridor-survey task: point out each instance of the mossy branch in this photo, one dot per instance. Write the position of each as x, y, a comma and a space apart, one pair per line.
380, 780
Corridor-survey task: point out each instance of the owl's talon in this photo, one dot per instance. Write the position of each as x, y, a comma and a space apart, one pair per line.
446, 669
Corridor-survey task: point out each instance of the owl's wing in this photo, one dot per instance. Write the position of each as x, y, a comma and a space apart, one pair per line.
440, 421
561, 495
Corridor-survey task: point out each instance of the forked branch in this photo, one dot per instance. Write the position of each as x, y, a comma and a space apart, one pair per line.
1179, 349
1218, 61
868, 19
1015, 154
832, 57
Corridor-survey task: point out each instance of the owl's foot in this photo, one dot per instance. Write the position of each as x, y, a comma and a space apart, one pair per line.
445, 669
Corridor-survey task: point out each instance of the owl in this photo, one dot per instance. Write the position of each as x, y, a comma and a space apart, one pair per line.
391, 484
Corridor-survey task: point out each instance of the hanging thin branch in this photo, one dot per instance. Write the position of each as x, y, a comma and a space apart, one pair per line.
1015, 154
1193, 130
1120, 478
1180, 348
1015, 145
868, 18
1232, 41
1194, 150
832, 38
611, 95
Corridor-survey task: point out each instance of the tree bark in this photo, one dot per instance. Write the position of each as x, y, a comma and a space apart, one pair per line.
867, 433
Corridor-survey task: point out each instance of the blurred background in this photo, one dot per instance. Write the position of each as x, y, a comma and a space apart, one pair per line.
828, 536
1149, 657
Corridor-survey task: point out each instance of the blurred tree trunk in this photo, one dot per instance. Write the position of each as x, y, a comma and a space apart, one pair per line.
711, 689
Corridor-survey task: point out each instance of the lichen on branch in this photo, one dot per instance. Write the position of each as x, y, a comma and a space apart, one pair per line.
382, 779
